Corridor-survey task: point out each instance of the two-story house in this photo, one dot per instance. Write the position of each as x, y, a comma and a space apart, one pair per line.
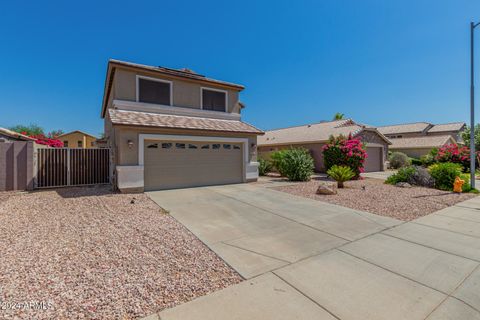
170, 128
418, 138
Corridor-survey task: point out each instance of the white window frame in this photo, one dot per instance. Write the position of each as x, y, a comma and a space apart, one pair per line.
137, 89
213, 89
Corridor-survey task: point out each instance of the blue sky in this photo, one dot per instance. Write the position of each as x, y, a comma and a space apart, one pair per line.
379, 62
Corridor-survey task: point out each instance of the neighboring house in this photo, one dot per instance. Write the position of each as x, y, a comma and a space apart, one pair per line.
314, 136
416, 147
417, 139
7, 135
171, 128
77, 139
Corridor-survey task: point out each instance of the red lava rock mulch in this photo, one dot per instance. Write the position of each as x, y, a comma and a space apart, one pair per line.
87, 253
382, 199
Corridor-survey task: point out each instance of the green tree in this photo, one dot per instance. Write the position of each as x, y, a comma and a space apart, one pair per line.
55, 133
30, 130
465, 134
339, 116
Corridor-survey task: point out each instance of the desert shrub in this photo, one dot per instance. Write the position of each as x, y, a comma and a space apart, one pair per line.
415, 162
297, 164
277, 158
466, 186
399, 160
445, 174
421, 177
430, 158
402, 175
343, 151
264, 166
341, 174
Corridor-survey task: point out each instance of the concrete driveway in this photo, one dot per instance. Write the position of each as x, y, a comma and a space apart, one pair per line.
305, 259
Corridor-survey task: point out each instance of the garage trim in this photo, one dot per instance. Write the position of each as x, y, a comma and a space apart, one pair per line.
167, 137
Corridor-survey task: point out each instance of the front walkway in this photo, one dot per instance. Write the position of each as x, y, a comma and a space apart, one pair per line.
304, 259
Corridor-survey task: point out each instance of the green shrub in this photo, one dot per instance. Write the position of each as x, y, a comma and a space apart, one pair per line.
264, 166
341, 174
277, 158
399, 160
403, 175
466, 186
416, 162
445, 174
430, 158
427, 160
297, 164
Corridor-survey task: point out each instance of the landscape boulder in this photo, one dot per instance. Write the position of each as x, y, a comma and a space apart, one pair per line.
327, 187
403, 185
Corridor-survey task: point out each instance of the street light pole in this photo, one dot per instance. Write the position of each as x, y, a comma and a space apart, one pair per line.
472, 109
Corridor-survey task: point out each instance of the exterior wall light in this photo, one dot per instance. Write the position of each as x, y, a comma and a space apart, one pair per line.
130, 144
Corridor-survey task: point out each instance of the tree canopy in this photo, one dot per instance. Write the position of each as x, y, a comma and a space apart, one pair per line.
339, 116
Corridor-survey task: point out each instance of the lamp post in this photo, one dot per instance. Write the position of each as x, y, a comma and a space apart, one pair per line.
472, 109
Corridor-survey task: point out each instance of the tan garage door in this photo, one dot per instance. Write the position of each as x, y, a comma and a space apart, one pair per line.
171, 164
374, 160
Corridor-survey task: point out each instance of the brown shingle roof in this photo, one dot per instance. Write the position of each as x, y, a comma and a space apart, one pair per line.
454, 126
405, 128
421, 142
317, 132
134, 118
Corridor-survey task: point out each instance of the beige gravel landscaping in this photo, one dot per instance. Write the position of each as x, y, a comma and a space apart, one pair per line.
374, 196
93, 254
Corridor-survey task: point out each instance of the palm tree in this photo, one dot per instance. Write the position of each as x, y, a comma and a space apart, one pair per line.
338, 116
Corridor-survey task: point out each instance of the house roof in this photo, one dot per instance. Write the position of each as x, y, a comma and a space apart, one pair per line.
405, 128
454, 126
421, 142
184, 73
134, 118
76, 131
316, 132
15, 135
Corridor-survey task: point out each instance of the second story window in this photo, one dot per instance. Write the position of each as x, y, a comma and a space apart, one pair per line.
152, 90
215, 100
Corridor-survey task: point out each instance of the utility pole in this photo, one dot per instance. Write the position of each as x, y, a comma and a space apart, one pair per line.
472, 108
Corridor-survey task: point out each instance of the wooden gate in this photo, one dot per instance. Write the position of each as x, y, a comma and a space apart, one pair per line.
61, 167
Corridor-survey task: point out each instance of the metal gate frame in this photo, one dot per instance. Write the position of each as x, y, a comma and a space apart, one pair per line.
66, 159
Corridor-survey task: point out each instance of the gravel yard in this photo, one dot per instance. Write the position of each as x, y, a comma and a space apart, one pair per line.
87, 253
382, 199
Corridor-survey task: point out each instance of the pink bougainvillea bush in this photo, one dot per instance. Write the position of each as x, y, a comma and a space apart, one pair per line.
345, 151
456, 154
41, 139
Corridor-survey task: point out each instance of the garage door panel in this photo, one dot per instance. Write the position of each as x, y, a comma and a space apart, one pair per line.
374, 159
173, 166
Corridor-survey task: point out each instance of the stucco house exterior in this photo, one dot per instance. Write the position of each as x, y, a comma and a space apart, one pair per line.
314, 136
77, 139
170, 128
417, 139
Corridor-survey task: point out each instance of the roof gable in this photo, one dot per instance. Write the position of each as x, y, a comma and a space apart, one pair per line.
415, 127
77, 131
312, 133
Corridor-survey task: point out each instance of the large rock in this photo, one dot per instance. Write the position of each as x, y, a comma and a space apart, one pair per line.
403, 185
327, 187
